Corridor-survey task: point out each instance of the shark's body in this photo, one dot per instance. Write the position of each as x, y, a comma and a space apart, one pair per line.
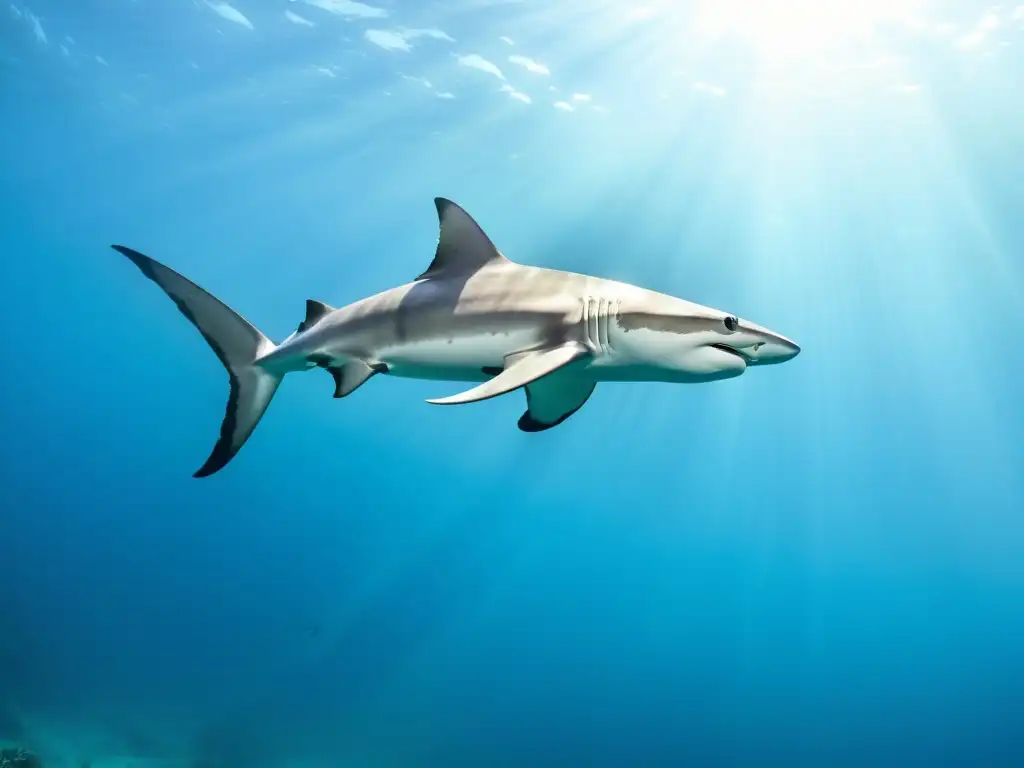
476, 316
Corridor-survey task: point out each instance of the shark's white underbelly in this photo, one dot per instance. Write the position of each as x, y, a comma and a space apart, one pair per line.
459, 358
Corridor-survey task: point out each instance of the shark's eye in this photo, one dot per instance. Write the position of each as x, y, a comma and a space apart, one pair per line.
732, 324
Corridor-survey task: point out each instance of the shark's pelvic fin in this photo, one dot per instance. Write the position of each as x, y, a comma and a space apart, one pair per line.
520, 370
315, 311
238, 345
553, 399
462, 245
351, 376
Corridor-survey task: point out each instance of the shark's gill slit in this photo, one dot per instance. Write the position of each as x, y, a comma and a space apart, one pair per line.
585, 321
602, 325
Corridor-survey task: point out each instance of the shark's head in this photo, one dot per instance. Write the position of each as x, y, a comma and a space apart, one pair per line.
688, 342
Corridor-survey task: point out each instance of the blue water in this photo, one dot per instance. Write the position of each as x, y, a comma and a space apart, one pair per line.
818, 563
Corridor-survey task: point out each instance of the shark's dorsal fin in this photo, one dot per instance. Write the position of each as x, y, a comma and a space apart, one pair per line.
315, 311
462, 246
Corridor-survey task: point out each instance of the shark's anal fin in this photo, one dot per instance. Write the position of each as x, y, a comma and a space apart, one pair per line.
462, 245
352, 375
315, 311
520, 370
553, 399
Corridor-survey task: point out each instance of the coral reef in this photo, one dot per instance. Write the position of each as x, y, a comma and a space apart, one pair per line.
19, 758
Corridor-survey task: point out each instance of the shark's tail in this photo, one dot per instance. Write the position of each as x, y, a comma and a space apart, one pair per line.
238, 345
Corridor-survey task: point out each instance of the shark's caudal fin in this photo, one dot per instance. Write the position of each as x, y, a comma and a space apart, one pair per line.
238, 345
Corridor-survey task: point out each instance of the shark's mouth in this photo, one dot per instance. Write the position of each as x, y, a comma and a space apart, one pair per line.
731, 351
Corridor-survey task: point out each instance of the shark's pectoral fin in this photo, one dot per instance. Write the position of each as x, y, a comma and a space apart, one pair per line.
519, 371
553, 399
351, 376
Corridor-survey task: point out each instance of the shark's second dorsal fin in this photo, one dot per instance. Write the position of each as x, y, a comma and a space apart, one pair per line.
462, 246
315, 311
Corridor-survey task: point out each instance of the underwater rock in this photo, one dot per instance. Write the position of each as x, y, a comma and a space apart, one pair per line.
19, 758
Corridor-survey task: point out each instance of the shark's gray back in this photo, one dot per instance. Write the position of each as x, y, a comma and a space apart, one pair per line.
503, 299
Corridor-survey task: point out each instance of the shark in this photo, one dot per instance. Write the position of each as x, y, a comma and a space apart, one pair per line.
478, 318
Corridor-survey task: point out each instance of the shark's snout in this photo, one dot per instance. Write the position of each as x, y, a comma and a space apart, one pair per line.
770, 349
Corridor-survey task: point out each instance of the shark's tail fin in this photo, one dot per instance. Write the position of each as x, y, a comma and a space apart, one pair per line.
238, 345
